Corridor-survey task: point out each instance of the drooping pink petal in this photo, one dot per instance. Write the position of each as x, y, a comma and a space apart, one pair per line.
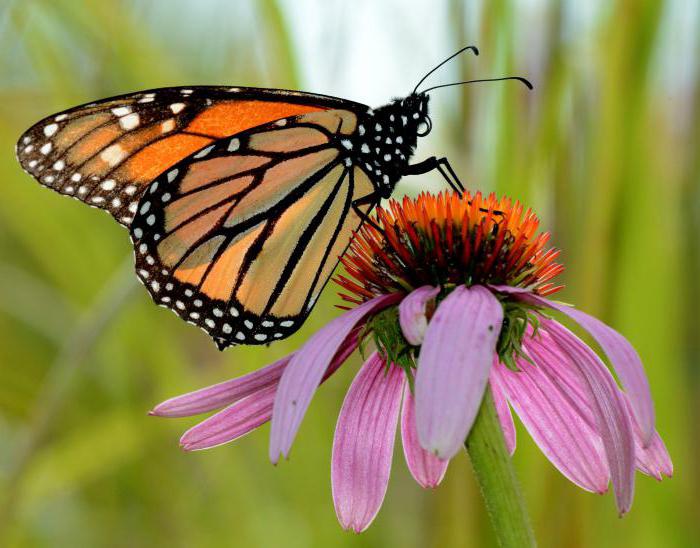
453, 367
426, 468
562, 435
233, 422
608, 406
505, 417
364, 443
222, 394
622, 354
247, 414
412, 313
653, 460
305, 371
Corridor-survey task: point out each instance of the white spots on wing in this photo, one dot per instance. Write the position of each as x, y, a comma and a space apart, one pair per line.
202, 153
210, 323
347, 162
278, 335
153, 188
82, 190
171, 175
180, 305
46, 148
143, 249
59, 165
387, 157
130, 190
169, 286
155, 286
32, 163
166, 197
399, 139
282, 122
177, 107
194, 315
188, 292
50, 129
226, 328
147, 98
156, 237
116, 203
233, 145
144, 273
76, 177
112, 155
240, 336
68, 190
151, 220
26, 140
97, 199
217, 312
130, 121
133, 206
165, 299
287, 323
198, 303
347, 143
391, 117
167, 126
234, 311
361, 129
385, 178
404, 120
378, 126
260, 337
121, 111
28, 149
60, 117
108, 184
186, 91
248, 324
365, 148
48, 179
268, 323
150, 260
388, 140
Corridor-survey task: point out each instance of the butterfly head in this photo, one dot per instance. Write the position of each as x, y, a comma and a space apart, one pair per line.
415, 108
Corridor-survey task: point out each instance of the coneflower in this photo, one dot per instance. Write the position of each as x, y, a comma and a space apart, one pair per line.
446, 297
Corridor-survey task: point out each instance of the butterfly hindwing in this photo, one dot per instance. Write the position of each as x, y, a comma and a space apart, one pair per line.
106, 153
241, 236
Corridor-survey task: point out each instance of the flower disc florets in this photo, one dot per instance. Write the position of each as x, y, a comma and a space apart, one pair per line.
447, 240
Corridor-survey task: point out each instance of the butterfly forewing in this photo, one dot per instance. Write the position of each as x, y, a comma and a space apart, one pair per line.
241, 236
106, 153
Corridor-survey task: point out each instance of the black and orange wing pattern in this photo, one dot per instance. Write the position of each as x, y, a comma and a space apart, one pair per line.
240, 237
106, 153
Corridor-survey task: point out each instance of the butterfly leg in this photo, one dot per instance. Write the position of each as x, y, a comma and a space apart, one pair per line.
372, 199
442, 165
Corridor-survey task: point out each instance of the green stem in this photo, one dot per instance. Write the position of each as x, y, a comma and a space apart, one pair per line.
494, 472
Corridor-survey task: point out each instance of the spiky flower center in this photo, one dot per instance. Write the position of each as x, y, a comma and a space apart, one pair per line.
448, 240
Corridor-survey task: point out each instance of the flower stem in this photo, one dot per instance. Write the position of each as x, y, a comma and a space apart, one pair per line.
494, 472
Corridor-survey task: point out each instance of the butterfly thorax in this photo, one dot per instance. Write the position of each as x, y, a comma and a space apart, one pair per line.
386, 139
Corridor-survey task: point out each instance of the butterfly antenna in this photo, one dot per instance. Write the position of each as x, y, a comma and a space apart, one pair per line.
518, 78
474, 50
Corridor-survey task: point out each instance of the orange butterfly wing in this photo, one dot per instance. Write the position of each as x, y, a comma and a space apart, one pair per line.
105, 153
241, 237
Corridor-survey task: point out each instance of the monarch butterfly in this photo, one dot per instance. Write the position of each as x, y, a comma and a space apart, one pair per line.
239, 201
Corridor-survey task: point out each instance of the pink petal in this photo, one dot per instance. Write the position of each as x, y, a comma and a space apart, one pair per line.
562, 435
222, 394
426, 469
653, 460
412, 313
505, 417
608, 406
453, 367
249, 413
305, 371
364, 443
233, 422
622, 354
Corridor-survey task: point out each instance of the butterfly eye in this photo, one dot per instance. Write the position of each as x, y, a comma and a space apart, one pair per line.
424, 127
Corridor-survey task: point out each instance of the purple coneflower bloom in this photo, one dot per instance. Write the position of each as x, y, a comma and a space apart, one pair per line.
451, 294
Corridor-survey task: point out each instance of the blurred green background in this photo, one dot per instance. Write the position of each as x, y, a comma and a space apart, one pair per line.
605, 148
